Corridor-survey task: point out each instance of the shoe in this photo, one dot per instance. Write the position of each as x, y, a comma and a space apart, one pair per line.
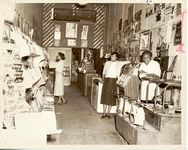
108, 116
50, 138
103, 116
59, 102
64, 101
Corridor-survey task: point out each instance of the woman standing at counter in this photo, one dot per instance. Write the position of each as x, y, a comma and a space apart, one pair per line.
59, 77
111, 73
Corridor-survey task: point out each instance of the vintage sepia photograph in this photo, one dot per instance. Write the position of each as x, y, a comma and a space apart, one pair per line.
92, 74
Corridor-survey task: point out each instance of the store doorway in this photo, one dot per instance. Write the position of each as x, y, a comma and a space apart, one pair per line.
76, 60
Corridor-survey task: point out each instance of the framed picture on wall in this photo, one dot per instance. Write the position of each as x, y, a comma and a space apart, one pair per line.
145, 39
71, 30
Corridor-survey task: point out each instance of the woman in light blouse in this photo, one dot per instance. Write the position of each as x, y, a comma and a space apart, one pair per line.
111, 73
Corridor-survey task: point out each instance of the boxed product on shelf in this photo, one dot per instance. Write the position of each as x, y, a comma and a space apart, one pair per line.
24, 89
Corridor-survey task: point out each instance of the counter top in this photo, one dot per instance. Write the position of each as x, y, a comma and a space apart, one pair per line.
87, 72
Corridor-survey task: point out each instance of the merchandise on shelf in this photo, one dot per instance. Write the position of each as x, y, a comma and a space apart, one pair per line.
25, 75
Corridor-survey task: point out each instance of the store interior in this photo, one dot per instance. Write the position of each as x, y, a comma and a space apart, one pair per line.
32, 35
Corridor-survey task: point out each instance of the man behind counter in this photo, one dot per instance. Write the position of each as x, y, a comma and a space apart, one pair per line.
148, 68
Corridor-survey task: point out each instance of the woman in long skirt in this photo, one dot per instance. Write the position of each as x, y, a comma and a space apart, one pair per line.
111, 73
59, 77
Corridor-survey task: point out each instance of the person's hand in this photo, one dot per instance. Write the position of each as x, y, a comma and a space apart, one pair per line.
152, 75
141, 72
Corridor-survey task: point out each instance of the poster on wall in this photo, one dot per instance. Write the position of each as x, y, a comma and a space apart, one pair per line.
57, 27
71, 42
84, 43
149, 10
71, 30
57, 35
178, 9
145, 40
84, 32
178, 34
130, 14
138, 21
157, 10
161, 34
125, 24
169, 11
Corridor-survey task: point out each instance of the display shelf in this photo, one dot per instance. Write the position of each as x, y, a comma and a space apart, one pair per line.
84, 81
158, 119
134, 134
159, 128
28, 115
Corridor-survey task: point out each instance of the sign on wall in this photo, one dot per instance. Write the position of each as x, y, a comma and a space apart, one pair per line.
71, 30
84, 43
71, 42
84, 32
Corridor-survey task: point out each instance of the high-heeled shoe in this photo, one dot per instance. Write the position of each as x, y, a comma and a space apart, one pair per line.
59, 102
64, 101
108, 116
103, 116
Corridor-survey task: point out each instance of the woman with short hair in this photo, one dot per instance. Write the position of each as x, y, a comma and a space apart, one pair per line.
111, 73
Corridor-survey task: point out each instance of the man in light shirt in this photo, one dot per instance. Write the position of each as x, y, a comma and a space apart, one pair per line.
148, 68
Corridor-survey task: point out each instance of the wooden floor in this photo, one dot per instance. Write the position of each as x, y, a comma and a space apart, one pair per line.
81, 124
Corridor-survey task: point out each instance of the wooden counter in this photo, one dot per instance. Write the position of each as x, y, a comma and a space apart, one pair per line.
84, 82
96, 92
